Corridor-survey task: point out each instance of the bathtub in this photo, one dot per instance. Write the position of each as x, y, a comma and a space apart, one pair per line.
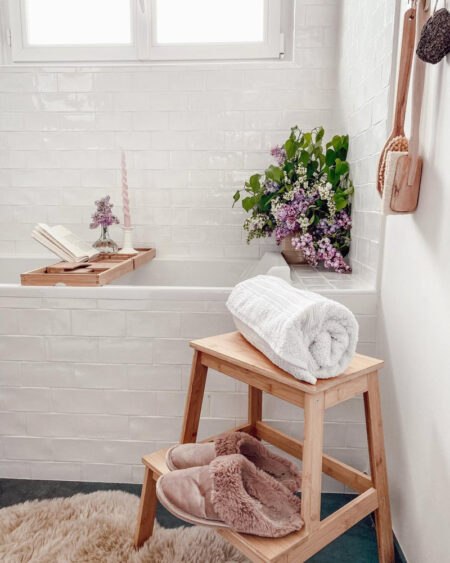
93, 378
221, 273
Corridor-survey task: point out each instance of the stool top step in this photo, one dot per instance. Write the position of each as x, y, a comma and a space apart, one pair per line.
234, 349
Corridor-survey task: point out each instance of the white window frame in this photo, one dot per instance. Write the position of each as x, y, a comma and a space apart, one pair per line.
144, 47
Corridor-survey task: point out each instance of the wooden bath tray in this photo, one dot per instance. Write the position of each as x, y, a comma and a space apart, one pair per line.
101, 270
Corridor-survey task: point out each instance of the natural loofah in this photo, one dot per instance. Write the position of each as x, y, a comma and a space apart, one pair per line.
391, 167
434, 43
397, 144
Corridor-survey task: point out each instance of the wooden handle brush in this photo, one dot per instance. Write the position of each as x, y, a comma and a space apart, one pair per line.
397, 140
408, 173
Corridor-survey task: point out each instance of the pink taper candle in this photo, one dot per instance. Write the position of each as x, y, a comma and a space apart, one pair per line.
125, 197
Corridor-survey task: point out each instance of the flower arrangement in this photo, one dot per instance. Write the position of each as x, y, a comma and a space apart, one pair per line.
306, 195
103, 216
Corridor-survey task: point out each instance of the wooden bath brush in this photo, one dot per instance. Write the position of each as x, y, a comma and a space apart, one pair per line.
397, 141
408, 168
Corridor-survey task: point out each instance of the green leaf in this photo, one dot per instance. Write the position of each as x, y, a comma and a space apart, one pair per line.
288, 167
254, 183
311, 168
340, 202
290, 146
342, 153
330, 157
304, 157
336, 141
332, 178
236, 197
248, 203
319, 135
264, 204
274, 173
341, 167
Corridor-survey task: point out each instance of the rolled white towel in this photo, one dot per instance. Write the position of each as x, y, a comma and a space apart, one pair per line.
301, 332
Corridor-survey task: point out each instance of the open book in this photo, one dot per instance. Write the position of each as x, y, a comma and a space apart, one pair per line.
63, 243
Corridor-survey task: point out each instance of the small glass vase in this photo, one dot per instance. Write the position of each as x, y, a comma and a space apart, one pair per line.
104, 243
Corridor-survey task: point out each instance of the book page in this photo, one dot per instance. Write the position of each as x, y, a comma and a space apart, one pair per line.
69, 241
52, 246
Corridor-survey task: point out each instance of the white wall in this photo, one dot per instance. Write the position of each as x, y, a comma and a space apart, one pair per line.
192, 134
414, 304
366, 45
414, 336
89, 383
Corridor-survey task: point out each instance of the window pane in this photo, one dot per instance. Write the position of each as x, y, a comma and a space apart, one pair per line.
78, 22
209, 21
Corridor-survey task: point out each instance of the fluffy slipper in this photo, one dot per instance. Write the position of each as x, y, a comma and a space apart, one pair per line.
231, 493
183, 456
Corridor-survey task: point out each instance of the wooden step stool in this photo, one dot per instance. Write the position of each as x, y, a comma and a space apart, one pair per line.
232, 355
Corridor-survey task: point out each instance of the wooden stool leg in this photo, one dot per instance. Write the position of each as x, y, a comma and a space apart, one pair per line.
254, 405
378, 470
194, 400
147, 510
312, 461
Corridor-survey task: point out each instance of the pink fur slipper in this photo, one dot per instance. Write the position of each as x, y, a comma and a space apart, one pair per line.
231, 492
184, 456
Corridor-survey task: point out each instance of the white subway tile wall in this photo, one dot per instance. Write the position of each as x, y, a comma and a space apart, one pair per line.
366, 52
192, 133
89, 385
86, 405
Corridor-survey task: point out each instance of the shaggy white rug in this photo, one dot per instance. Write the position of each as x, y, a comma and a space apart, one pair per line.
99, 527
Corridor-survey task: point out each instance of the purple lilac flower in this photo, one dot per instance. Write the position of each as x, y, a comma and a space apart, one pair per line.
287, 215
270, 187
281, 232
103, 215
279, 154
331, 257
323, 251
305, 243
341, 221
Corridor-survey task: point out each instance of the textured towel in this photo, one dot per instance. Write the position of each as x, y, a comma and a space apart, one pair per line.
301, 332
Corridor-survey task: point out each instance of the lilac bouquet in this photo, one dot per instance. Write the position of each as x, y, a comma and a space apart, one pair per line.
103, 216
307, 195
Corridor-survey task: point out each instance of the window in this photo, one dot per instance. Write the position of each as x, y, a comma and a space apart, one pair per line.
99, 30
61, 30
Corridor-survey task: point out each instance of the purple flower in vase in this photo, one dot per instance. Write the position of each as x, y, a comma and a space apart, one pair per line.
305, 243
279, 154
103, 215
331, 257
270, 187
